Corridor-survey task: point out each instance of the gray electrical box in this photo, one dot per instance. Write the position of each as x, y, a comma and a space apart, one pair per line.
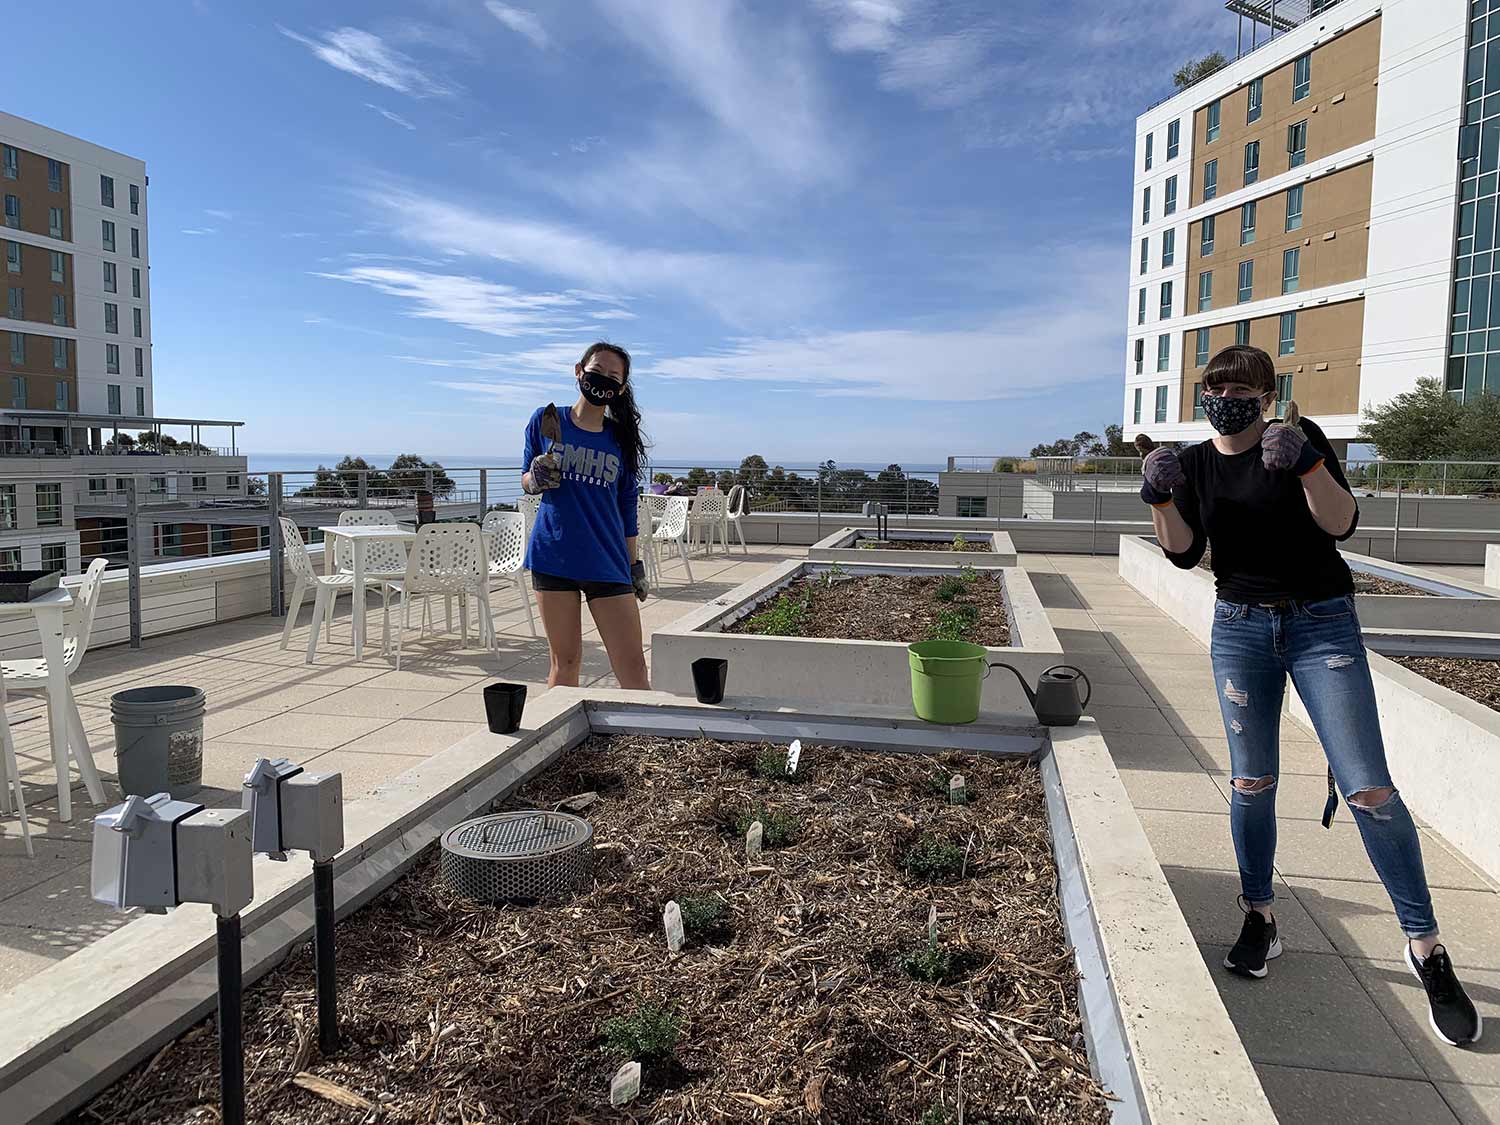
134, 859
261, 797
214, 861
312, 814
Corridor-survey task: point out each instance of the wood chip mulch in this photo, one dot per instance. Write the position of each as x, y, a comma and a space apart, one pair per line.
981, 546
883, 607
1477, 679
797, 1008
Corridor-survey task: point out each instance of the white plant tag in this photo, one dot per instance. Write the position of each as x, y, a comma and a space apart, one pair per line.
932, 924
753, 840
793, 756
958, 793
626, 1084
671, 920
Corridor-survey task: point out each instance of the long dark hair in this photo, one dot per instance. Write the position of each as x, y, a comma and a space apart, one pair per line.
622, 412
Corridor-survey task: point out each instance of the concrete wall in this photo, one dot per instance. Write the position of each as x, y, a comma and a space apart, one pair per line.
843, 547
1492, 564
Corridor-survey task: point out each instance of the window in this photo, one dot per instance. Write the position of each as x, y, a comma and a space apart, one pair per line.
55, 556
1247, 280
8, 508
1168, 247
140, 402
98, 486
10, 160
200, 484
219, 542
1247, 223
15, 303
55, 222
1163, 354
1205, 290
108, 234
59, 354
1150, 139
1287, 344
1174, 139
1200, 351
54, 175
232, 481
135, 317
106, 191
59, 310
1161, 404
10, 558
12, 211
969, 507
1252, 162
1294, 208
1291, 270
1140, 307
1198, 414
12, 257
1145, 254
135, 242
62, 397
17, 348
59, 267
121, 486
114, 398
1169, 206
1213, 120
1135, 417
18, 392
1206, 237
1301, 78
135, 282
109, 278
140, 363
135, 199
1254, 93
1242, 332
111, 318
158, 486
112, 359
1140, 358
1164, 309
1145, 205
1283, 394
1296, 144
171, 539
1210, 180
49, 504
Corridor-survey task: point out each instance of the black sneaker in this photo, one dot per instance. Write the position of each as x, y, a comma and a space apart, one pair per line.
1451, 1012
1258, 944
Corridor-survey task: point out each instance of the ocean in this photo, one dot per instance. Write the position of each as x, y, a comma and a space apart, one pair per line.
309, 462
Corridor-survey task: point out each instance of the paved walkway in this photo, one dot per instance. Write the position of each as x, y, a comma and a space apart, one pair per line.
1338, 1031
364, 719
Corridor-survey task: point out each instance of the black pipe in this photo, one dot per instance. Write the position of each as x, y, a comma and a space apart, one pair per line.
328, 1016
231, 1043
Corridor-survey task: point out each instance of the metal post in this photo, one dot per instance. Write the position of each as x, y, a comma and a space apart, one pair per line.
1445, 478
908, 501
231, 1045
1377, 478
364, 488
323, 920
1396, 530
133, 557
820, 508
484, 492
1094, 537
278, 548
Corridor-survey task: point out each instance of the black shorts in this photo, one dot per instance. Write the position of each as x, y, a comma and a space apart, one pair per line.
590, 590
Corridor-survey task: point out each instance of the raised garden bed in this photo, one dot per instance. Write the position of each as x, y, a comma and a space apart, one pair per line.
968, 606
1478, 680
809, 987
959, 543
937, 547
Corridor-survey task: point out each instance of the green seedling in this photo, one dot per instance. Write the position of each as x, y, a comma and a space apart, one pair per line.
968, 573
931, 963
779, 828
955, 623
937, 1114
934, 860
784, 617
960, 543
771, 764
949, 589
701, 914
649, 1034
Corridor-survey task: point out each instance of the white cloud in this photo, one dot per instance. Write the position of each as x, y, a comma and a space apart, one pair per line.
864, 25
521, 22
393, 118
367, 56
213, 213
199, 230
586, 143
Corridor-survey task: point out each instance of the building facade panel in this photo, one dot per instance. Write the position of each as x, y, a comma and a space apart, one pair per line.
33, 186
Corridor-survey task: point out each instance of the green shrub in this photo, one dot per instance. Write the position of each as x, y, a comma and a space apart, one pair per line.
934, 860
649, 1034
701, 913
968, 573
931, 963
783, 618
960, 543
937, 1114
770, 764
955, 623
949, 589
777, 828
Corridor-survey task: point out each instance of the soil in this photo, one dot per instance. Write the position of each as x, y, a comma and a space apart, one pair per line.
1477, 679
982, 546
886, 607
1364, 583
456, 1012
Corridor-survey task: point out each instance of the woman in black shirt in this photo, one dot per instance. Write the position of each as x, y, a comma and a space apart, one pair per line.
1272, 503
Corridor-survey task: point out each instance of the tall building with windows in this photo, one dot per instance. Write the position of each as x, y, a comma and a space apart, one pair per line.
1329, 196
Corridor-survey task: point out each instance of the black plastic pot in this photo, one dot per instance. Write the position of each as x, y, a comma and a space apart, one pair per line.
709, 676
503, 704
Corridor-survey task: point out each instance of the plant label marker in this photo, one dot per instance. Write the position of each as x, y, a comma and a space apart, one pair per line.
958, 793
793, 756
932, 924
626, 1084
671, 920
754, 840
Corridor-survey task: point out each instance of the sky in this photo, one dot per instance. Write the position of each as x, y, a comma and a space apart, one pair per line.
866, 230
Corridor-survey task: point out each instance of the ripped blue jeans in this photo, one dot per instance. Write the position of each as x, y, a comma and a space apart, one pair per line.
1319, 645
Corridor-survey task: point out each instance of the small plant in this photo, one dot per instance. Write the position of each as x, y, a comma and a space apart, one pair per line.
833, 574
934, 965
649, 1034
934, 860
968, 573
960, 543
779, 828
783, 618
949, 589
937, 785
955, 623
701, 915
937, 1114
771, 764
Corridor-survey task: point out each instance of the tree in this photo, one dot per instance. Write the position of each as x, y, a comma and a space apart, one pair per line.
410, 471
1417, 425
1078, 445
752, 471
724, 481
1196, 70
699, 478
1114, 442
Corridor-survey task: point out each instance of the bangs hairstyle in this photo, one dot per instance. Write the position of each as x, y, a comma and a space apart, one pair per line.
622, 414
1240, 363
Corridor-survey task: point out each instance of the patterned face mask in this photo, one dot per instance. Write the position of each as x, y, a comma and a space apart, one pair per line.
1232, 415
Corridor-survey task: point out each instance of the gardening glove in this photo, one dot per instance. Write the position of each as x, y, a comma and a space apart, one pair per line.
1163, 473
1284, 446
638, 579
546, 472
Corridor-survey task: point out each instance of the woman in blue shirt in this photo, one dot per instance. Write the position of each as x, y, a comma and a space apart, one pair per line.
583, 541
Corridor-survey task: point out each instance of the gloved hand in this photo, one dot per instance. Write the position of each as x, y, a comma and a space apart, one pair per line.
1163, 472
546, 472
1285, 447
638, 579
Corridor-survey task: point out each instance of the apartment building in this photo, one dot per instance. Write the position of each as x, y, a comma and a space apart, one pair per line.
1330, 196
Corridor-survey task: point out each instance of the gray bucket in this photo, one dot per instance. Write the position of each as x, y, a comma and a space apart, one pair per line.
158, 740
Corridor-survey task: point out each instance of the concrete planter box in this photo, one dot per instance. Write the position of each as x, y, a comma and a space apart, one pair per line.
843, 546
1492, 564
1459, 607
873, 672
1443, 749
1159, 1038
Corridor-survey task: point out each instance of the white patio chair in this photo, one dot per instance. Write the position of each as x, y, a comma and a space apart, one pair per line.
507, 554
736, 507
707, 519
672, 528
645, 541
384, 561
29, 677
10, 774
448, 559
326, 587
529, 505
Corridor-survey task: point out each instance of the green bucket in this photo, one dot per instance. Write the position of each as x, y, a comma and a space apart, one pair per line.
946, 678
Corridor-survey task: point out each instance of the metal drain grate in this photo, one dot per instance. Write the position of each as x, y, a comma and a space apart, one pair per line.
519, 856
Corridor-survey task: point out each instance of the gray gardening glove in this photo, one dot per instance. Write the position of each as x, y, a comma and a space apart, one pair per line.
546, 472
638, 579
1163, 473
1285, 447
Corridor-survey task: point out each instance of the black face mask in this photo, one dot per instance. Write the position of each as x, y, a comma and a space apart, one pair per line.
598, 388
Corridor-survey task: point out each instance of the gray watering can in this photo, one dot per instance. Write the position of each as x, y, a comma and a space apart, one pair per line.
1055, 699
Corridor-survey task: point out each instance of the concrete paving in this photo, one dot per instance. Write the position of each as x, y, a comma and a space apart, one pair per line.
359, 717
1338, 1030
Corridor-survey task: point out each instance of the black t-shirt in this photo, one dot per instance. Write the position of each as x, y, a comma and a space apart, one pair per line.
1266, 544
